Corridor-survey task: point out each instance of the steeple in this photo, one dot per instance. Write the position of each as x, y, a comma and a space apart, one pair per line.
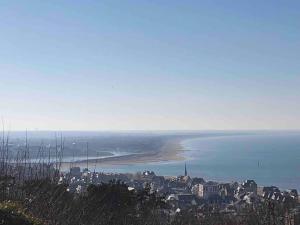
185, 171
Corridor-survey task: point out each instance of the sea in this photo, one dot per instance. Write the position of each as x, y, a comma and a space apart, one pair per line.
269, 158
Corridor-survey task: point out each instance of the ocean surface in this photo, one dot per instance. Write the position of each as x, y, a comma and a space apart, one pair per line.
268, 158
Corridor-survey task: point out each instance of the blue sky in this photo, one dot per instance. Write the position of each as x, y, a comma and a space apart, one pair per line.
150, 65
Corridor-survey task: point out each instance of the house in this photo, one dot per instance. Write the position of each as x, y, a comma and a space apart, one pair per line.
182, 201
249, 186
148, 173
226, 191
293, 193
206, 190
251, 197
265, 191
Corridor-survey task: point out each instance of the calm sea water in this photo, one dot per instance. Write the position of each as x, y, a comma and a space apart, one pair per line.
268, 158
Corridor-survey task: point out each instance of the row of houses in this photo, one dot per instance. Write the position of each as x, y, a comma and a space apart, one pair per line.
185, 192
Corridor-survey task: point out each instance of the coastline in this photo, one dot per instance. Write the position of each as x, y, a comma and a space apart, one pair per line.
171, 150
169, 157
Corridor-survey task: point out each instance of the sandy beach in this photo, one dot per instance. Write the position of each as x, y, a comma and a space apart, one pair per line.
171, 150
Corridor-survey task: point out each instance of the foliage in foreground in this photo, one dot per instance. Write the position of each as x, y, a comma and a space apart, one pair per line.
114, 204
12, 213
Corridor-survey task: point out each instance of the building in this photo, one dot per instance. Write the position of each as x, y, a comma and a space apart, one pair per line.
226, 190
186, 201
265, 191
206, 190
182, 201
249, 186
75, 171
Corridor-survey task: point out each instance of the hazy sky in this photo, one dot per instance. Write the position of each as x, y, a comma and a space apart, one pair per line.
111, 65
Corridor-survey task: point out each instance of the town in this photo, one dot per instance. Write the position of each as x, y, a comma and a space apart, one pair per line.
49, 193
186, 193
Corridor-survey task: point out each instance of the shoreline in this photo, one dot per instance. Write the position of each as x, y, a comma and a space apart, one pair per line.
171, 150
